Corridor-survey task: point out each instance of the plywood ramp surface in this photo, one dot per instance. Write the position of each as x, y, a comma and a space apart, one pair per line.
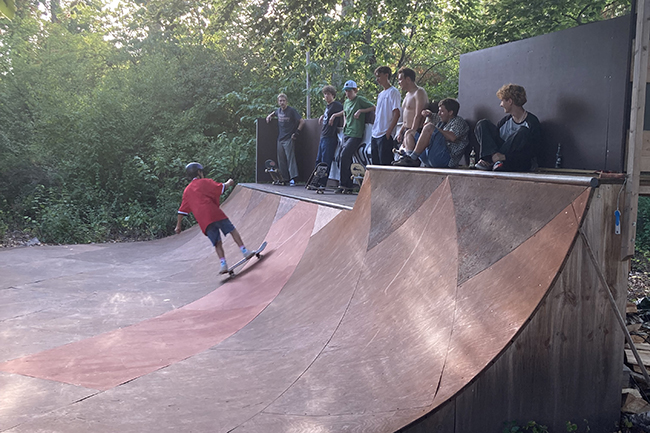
362, 320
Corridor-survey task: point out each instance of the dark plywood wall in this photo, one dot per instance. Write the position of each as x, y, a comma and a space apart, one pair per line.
306, 148
577, 82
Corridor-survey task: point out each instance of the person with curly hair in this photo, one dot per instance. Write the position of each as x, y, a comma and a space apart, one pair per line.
511, 144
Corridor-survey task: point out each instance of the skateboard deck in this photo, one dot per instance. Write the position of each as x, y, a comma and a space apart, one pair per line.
345, 190
320, 189
256, 253
272, 169
317, 176
358, 172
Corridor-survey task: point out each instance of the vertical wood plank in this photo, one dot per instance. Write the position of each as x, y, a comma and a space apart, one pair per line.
637, 113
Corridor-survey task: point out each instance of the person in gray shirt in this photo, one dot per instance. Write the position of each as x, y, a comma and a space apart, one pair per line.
290, 124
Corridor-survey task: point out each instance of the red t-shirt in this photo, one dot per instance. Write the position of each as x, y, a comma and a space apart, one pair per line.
201, 197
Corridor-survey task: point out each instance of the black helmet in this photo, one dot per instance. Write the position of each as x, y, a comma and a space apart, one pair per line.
192, 169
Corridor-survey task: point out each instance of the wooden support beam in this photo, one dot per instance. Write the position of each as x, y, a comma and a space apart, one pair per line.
637, 113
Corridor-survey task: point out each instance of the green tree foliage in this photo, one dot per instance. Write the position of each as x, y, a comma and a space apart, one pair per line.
103, 106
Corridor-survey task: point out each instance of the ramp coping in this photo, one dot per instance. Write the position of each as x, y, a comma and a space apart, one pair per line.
255, 186
590, 181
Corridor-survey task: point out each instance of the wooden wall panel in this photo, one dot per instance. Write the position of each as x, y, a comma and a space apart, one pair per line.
577, 81
566, 362
306, 148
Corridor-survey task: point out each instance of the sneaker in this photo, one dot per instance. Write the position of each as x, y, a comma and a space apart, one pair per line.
407, 161
224, 268
292, 182
484, 165
248, 254
499, 166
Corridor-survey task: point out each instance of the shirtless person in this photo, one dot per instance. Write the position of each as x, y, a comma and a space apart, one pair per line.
415, 101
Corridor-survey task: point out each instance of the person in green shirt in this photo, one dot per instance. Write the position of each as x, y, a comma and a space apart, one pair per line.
355, 108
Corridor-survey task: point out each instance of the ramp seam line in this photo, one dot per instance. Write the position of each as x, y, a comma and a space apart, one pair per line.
347, 308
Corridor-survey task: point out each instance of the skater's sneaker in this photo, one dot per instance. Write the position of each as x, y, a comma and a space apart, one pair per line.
484, 165
292, 182
224, 268
407, 161
248, 254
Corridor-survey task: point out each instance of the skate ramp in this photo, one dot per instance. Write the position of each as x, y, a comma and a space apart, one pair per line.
373, 319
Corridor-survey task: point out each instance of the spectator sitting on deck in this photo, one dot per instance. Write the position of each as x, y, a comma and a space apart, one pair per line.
511, 144
441, 145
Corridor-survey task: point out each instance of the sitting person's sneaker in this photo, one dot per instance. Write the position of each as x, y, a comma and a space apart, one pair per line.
224, 268
407, 161
484, 165
499, 166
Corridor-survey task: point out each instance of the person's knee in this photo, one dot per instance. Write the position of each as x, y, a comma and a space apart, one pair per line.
410, 134
428, 128
481, 125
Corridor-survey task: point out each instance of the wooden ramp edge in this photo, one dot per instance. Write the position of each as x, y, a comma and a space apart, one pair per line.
444, 301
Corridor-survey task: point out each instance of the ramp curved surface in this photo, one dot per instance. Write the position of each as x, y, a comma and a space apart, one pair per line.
363, 320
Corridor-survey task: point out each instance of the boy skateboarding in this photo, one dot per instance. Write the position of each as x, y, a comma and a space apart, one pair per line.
201, 198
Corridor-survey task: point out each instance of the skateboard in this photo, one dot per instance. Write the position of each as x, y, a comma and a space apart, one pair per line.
320, 189
256, 253
272, 169
317, 176
346, 190
358, 172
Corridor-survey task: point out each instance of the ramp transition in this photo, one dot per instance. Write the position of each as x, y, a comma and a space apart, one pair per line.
442, 302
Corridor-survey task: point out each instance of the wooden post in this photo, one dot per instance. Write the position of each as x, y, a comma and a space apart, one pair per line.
637, 113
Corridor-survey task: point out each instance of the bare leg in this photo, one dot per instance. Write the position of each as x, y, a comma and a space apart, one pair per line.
425, 137
237, 238
409, 139
219, 249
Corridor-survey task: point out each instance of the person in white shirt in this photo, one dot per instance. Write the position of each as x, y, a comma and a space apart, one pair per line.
387, 114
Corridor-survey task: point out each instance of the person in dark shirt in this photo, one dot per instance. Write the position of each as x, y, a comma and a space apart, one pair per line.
329, 133
290, 124
511, 144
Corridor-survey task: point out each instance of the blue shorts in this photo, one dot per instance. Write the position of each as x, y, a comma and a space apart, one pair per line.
212, 231
437, 154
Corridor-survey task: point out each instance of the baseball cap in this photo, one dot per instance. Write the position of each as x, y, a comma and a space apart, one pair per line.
349, 85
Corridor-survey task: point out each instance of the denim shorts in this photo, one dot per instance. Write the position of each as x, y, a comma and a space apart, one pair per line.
212, 231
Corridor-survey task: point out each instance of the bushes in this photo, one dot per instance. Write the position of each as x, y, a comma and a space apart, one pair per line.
641, 260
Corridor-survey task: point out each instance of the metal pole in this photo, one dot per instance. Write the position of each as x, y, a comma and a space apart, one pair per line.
612, 302
308, 96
